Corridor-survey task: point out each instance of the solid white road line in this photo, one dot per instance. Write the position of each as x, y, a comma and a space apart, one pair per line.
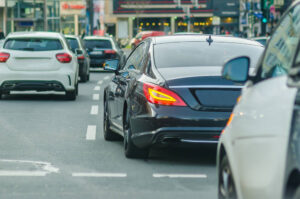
100, 82
96, 96
165, 175
91, 132
100, 175
7, 173
94, 110
97, 88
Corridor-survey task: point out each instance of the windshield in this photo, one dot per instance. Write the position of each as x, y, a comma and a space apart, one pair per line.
194, 54
99, 43
73, 43
33, 44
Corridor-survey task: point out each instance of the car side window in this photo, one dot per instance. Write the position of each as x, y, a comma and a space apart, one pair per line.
136, 58
281, 50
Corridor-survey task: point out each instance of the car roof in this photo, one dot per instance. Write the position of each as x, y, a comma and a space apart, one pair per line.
97, 37
202, 38
71, 36
34, 34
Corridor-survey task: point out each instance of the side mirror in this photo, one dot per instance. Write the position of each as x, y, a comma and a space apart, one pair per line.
237, 69
111, 65
78, 51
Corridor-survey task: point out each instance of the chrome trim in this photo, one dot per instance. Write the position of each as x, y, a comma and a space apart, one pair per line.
199, 141
206, 86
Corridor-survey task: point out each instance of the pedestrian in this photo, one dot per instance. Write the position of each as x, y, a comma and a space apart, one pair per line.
2, 36
83, 34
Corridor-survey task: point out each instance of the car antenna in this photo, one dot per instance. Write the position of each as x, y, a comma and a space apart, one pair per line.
209, 40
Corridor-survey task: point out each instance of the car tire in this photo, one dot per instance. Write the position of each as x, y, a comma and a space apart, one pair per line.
84, 78
297, 193
71, 95
109, 135
88, 77
130, 150
226, 188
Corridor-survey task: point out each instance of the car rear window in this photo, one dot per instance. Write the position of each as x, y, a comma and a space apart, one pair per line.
73, 43
195, 54
99, 43
33, 44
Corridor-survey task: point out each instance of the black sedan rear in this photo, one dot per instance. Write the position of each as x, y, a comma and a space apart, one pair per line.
171, 91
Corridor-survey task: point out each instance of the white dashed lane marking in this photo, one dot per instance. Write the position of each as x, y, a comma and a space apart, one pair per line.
96, 96
165, 175
97, 88
100, 82
94, 110
106, 78
100, 175
91, 132
23, 173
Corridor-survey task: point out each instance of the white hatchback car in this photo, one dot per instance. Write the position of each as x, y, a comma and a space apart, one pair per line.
38, 61
258, 152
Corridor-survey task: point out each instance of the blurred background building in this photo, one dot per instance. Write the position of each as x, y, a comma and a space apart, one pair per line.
125, 18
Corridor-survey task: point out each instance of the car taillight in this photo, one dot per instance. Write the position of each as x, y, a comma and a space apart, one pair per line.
110, 52
64, 57
4, 57
80, 57
159, 95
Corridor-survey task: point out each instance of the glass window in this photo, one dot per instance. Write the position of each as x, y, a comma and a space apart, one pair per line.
99, 43
73, 43
195, 54
282, 46
135, 61
33, 44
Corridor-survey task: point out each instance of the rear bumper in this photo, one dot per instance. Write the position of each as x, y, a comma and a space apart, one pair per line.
177, 125
32, 85
97, 63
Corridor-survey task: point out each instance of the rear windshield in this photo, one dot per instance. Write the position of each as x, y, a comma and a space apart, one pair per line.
195, 54
99, 43
33, 44
73, 43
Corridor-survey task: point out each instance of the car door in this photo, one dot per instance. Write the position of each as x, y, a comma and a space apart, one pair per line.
125, 79
264, 112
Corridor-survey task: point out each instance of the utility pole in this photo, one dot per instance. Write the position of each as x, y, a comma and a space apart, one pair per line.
5, 18
45, 16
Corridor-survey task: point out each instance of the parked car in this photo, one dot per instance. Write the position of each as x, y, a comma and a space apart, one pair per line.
78, 48
143, 35
1, 43
39, 61
262, 40
170, 91
258, 152
101, 49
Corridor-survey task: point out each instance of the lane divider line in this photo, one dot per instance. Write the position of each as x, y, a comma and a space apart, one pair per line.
91, 132
94, 110
11, 173
97, 88
96, 96
165, 175
100, 175
100, 82
107, 77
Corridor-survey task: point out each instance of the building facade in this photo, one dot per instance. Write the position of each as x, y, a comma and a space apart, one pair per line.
170, 16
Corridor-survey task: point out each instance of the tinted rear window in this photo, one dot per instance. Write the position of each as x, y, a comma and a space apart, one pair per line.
190, 54
73, 43
99, 43
33, 44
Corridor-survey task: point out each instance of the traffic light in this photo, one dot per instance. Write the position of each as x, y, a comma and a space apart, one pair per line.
264, 20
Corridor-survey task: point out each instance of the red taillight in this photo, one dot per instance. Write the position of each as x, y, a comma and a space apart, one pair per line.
4, 57
159, 95
110, 52
80, 57
64, 57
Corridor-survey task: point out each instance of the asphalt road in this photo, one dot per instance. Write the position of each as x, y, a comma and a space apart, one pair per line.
52, 148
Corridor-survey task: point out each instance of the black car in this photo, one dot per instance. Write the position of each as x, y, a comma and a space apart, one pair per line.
101, 49
77, 46
292, 174
171, 91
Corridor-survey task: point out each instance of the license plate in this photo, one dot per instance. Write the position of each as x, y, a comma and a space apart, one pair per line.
97, 53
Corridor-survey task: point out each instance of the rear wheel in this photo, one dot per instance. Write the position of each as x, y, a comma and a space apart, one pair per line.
130, 150
84, 78
71, 95
297, 193
226, 182
109, 135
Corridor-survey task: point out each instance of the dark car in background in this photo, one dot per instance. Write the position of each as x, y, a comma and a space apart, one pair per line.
77, 47
144, 35
170, 91
101, 49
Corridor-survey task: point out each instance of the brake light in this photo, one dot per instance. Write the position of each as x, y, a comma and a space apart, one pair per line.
4, 57
229, 121
80, 57
64, 57
159, 95
110, 52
